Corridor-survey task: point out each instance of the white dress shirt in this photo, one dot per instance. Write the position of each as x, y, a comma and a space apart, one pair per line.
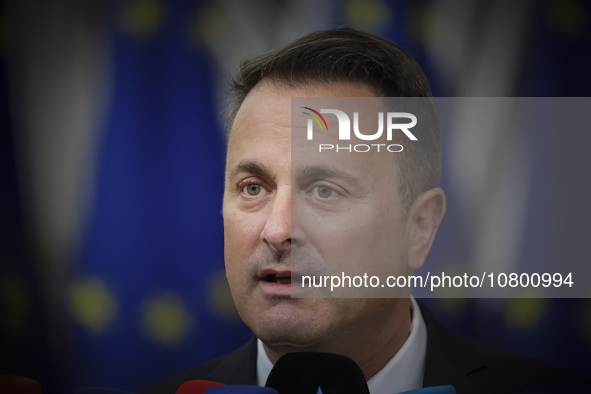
403, 372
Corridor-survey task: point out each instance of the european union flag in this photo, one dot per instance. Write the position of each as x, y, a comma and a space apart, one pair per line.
149, 292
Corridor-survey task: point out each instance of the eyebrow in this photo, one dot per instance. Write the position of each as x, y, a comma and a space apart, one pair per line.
252, 167
325, 172
257, 168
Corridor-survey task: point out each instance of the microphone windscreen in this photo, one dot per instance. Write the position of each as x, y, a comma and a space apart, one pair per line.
197, 386
100, 390
241, 390
433, 390
14, 384
306, 372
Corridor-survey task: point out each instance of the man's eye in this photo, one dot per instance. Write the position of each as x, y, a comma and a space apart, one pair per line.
253, 189
324, 192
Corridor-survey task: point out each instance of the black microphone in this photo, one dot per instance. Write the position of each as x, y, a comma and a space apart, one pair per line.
306, 372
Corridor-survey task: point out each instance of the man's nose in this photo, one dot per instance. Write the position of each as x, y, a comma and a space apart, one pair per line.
277, 230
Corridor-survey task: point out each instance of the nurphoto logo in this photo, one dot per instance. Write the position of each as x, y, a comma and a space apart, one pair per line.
344, 132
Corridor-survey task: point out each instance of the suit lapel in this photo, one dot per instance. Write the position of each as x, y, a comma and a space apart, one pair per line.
451, 358
238, 367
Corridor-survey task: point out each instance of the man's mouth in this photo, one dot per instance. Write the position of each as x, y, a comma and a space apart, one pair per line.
282, 279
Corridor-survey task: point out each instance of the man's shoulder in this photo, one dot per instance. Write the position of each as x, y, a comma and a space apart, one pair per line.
171, 384
471, 365
238, 367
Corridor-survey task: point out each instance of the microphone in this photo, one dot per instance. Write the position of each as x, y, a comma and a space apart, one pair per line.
433, 390
197, 386
240, 390
99, 390
307, 372
14, 384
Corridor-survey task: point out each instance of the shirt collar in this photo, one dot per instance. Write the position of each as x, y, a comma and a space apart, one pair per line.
403, 372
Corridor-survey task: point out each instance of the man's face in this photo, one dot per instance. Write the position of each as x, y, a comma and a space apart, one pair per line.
353, 214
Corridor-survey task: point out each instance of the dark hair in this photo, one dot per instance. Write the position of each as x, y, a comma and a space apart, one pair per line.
351, 56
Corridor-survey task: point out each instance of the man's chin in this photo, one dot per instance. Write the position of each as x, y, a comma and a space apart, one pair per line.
284, 342
288, 326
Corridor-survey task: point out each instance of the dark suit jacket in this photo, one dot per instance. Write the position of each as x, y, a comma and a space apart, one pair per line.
470, 366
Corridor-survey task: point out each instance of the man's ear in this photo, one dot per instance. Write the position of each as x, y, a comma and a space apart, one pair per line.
424, 218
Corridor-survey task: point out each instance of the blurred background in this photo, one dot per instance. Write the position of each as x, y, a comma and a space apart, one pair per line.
111, 176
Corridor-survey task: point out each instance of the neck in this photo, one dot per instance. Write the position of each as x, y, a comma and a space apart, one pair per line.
370, 346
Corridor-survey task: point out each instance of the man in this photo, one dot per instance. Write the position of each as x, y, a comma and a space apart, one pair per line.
396, 342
